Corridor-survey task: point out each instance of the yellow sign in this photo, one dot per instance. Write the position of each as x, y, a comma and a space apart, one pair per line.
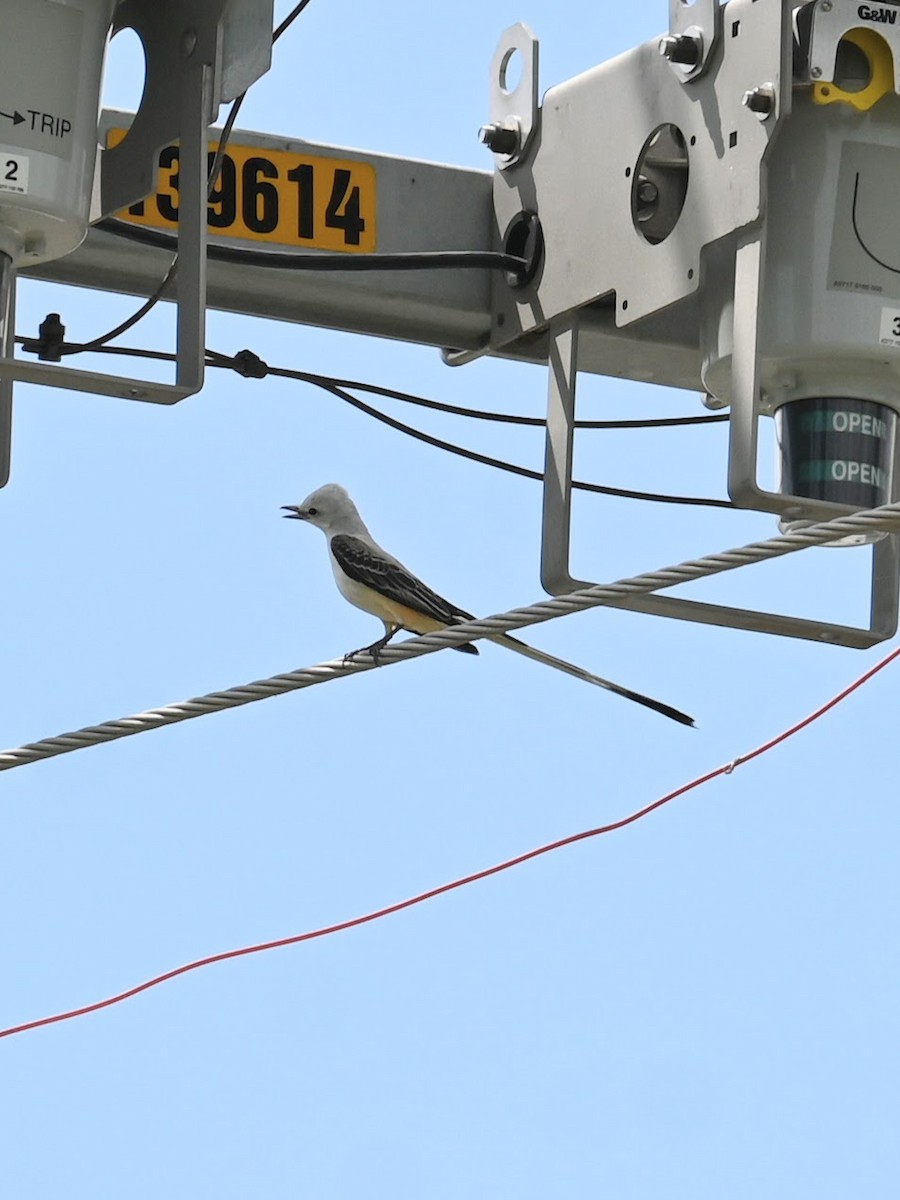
290, 199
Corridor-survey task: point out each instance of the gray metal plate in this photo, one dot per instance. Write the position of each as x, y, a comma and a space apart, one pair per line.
578, 174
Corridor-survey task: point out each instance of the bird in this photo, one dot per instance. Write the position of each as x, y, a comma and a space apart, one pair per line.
373, 580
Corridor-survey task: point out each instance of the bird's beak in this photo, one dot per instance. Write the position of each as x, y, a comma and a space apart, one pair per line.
294, 512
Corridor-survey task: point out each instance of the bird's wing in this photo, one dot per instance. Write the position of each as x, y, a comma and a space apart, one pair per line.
366, 566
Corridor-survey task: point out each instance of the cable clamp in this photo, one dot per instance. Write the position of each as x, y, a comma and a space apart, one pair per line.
250, 365
48, 346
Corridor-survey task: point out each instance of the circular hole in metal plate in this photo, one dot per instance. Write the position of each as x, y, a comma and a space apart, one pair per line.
125, 71
511, 68
524, 238
659, 184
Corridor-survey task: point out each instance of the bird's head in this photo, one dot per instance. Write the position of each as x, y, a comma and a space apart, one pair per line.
329, 508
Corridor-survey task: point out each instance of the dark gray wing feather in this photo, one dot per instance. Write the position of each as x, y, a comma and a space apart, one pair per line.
390, 579
356, 559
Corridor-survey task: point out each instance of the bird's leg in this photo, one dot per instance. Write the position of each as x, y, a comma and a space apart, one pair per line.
376, 647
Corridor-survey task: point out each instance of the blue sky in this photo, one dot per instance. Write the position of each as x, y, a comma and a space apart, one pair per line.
701, 1005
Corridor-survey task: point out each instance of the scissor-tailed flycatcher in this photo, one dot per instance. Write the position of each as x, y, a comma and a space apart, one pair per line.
378, 583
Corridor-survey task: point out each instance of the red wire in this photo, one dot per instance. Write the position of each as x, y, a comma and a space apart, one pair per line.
466, 879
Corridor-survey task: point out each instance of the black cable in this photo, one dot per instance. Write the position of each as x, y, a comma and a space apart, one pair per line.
415, 260
215, 167
288, 20
246, 359
485, 459
215, 359
505, 418
251, 366
218, 158
138, 315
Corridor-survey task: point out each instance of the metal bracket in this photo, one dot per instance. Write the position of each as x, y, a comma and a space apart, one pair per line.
198, 52
182, 42
555, 576
582, 172
514, 104
246, 45
7, 345
558, 455
177, 39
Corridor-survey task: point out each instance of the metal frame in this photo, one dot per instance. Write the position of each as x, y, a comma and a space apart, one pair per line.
190, 282
578, 174
606, 300
198, 52
578, 166
7, 345
182, 43
555, 576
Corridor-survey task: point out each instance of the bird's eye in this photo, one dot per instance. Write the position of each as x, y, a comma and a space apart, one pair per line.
313, 512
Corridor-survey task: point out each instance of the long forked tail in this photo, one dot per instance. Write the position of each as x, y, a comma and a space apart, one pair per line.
549, 660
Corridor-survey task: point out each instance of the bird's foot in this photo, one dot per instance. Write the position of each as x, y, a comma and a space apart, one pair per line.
375, 651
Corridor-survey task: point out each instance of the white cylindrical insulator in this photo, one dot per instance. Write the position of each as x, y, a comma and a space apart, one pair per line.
51, 68
829, 313
828, 348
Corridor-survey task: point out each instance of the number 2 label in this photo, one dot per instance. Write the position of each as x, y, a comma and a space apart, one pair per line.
14, 173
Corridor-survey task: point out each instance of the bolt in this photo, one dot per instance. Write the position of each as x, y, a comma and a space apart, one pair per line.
646, 197
825, 6
760, 100
647, 191
500, 138
683, 49
815, 72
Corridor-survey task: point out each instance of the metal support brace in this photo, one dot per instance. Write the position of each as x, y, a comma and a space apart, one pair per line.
743, 428
194, 105
183, 44
7, 343
555, 577
560, 440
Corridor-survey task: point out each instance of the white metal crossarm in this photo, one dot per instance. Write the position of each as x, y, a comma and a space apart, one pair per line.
609, 595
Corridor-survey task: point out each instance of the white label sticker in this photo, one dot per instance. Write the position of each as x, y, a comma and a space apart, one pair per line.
890, 327
14, 173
